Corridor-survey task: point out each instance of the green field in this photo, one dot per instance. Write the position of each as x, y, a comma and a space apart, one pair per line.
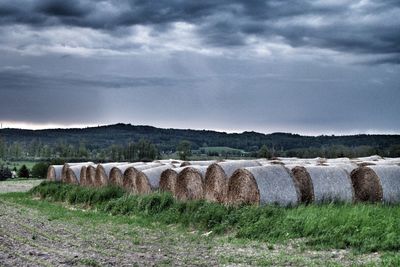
325, 235
17, 164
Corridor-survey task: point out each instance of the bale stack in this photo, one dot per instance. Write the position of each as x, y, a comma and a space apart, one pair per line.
73, 174
330, 184
129, 179
84, 178
263, 185
103, 171
303, 182
217, 176
54, 173
378, 183
190, 183
149, 180
117, 173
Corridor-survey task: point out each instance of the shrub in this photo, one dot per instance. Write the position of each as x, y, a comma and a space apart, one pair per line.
23, 172
39, 170
5, 173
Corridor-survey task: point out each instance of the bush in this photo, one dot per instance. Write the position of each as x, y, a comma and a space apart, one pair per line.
39, 170
23, 172
5, 173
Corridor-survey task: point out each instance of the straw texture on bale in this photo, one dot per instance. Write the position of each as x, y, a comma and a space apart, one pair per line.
149, 179
217, 176
330, 184
54, 173
190, 183
73, 174
263, 185
129, 179
90, 175
117, 173
84, 180
304, 184
377, 183
168, 179
185, 163
67, 165
103, 172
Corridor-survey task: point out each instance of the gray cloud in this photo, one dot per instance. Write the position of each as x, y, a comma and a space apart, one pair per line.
355, 27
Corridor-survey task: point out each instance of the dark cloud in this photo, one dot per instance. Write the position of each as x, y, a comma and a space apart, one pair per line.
369, 27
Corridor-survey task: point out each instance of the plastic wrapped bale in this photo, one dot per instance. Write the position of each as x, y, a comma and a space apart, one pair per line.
85, 179
263, 185
303, 182
149, 180
90, 175
54, 173
102, 176
377, 183
67, 165
73, 175
168, 179
190, 183
198, 163
217, 176
330, 184
117, 173
348, 167
129, 179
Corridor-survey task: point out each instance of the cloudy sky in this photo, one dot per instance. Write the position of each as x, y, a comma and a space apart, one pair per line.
310, 67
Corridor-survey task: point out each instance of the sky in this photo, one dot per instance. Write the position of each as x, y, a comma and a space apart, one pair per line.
301, 66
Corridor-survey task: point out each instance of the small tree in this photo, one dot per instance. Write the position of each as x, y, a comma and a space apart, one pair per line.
264, 152
5, 173
39, 170
23, 172
184, 150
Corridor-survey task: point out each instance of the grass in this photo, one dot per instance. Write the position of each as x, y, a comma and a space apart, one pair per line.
365, 228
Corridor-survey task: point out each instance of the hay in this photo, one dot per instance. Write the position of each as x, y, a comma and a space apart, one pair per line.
103, 172
90, 175
330, 184
73, 174
217, 176
54, 173
67, 165
262, 185
377, 183
129, 179
185, 163
117, 173
190, 183
84, 181
304, 184
168, 179
149, 179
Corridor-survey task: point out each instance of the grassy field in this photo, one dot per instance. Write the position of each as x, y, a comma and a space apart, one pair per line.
200, 233
18, 164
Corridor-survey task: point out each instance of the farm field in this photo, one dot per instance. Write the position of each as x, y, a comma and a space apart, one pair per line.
39, 232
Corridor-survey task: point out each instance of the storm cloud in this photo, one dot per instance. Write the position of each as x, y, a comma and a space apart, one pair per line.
302, 66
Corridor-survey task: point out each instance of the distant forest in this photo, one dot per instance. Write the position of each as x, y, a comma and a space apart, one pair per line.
130, 143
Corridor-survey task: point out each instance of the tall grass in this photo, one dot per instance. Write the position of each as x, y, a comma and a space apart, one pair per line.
365, 228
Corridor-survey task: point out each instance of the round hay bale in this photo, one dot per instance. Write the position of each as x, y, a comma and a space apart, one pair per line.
149, 179
330, 184
304, 184
73, 174
103, 172
117, 173
185, 163
190, 183
129, 179
67, 165
84, 181
168, 179
90, 175
217, 176
262, 185
377, 183
54, 173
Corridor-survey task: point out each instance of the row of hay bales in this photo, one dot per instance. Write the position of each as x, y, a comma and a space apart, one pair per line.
282, 181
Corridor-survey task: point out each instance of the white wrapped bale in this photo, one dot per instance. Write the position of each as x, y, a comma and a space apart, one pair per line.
117, 172
263, 185
190, 183
103, 173
149, 180
54, 173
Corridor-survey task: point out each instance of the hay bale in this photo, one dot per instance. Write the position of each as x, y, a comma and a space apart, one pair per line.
330, 184
84, 181
149, 179
54, 173
168, 179
73, 174
185, 163
217, 176
117, 173
262, 185
129, 179
67, 165
304, 184
103, 173
90, 175
190, 183
198, 163
377, 183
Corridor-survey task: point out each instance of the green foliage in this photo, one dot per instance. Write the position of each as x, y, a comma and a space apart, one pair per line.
23, 172
39, 170
5, 173
264, 152
184, 150
365, 228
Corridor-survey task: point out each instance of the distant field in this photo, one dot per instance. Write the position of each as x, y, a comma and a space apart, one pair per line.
221, 149
18, 164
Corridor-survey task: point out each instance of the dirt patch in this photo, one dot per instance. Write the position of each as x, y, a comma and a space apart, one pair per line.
18, 185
